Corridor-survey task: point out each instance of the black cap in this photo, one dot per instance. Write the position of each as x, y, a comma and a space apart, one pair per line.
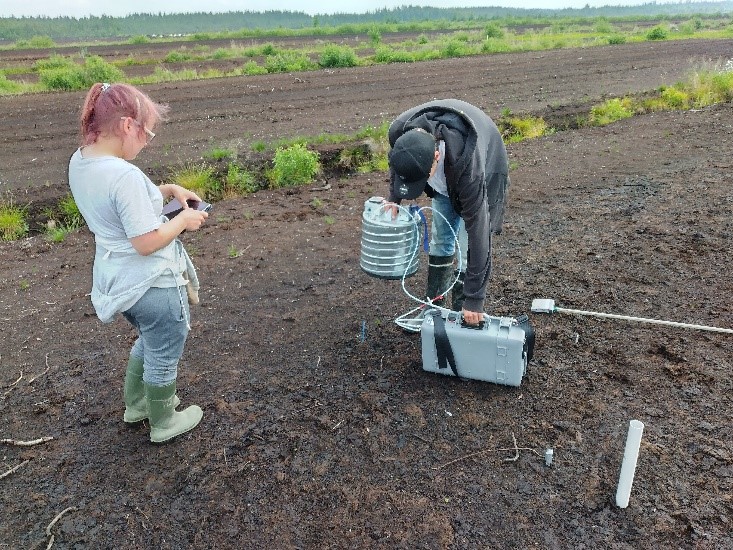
411, 159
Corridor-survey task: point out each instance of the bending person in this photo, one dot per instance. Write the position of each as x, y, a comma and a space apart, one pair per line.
453, 152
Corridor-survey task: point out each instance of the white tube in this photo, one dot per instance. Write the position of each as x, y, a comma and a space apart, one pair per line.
641, 319
628, 465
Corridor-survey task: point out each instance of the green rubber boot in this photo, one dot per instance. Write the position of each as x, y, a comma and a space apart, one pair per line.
440, 271
165, 422
136, 407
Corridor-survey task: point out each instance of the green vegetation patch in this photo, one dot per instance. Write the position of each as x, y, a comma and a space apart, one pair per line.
514, 128
13, 224
335, 56
198, 178
611, 111
58, 73
294, 165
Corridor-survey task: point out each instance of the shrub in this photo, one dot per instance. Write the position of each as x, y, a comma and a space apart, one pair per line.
722, 83
13, 223
294, 165
711, 85
616, 39
97, 69
287, 62
252, 68
239, 181
657, 33
515, 129
63, 74
611, 111
453, 48
492, 30
71, 78
375, 36
268, 49
675, 98
338, 56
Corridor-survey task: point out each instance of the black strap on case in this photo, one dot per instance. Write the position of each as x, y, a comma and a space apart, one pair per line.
523, 323
442, 344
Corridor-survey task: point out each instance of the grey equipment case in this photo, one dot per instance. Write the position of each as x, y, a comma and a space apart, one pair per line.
498, 350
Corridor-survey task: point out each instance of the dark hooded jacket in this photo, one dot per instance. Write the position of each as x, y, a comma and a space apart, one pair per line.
477, 174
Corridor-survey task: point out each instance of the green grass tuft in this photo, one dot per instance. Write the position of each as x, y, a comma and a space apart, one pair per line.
13, 224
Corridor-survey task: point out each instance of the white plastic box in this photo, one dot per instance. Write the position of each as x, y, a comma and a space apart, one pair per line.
497, 352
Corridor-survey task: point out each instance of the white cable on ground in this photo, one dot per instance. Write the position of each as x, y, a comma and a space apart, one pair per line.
407, 321
547, 305
644, 320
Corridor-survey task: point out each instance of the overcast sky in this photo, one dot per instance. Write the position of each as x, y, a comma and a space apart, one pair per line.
117, 8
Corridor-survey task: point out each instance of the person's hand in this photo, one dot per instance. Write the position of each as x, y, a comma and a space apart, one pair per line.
192, 218
392, 208
178, 192
184, 195
472, 317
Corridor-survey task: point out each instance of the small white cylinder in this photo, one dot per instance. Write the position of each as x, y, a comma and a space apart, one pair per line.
628, 465
548, 457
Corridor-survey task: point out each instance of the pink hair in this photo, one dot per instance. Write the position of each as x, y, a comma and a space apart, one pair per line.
106, 104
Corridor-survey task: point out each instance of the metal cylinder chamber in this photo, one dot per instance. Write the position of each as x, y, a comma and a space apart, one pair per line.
388, 245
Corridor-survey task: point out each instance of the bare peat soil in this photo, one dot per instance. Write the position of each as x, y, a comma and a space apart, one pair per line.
320, 429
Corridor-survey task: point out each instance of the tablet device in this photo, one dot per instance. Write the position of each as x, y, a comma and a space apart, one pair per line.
174, 207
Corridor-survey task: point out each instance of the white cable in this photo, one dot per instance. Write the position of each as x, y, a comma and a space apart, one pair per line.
643, 320
413, 324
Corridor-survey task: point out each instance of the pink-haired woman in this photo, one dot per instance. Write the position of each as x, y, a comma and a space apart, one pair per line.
140, 267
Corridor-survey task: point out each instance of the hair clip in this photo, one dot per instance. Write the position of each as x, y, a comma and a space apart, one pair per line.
105, 86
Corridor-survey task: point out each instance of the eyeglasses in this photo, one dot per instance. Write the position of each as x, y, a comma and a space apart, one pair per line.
150, 135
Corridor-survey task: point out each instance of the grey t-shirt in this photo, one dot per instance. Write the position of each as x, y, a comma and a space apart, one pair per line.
119, 202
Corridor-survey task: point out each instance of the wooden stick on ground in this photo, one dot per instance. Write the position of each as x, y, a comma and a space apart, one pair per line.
12, 386
6, 474
39, 375
20, 443
516, 450
53, 522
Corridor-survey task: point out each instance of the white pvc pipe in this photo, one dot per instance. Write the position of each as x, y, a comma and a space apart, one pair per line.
628, 465
644, 320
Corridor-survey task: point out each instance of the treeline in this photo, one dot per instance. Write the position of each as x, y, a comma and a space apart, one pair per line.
95, 27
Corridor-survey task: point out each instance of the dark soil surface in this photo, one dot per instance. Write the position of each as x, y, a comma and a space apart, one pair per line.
320, 429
